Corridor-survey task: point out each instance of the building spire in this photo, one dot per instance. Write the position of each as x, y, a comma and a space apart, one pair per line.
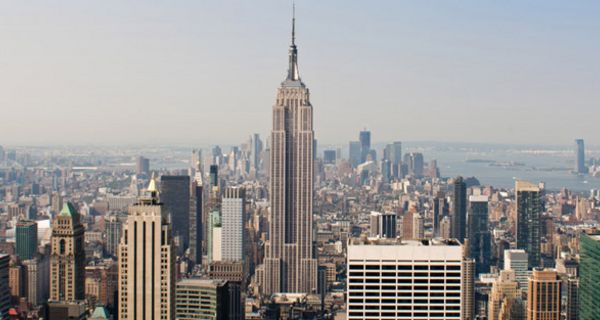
294, 23
293, 73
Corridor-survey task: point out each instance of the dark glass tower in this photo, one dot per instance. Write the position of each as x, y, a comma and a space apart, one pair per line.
479, 234
26, 238
589, 273
580, 167
459, 210
529, 211
175, 196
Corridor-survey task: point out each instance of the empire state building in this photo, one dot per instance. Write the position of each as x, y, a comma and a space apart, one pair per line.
290, 264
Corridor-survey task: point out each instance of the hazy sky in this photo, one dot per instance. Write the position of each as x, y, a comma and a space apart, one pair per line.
203, 72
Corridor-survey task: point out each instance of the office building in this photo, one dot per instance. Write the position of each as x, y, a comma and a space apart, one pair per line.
16, 281
354, 155
142, 166
364, 137
147, 262
26, 239
468, 288
214, 231
589, 273
580, 167
393, 153
383, 225
543, 295
571, 285
440, 210
459, 209
478, 233
113, 229
4, 288
257, 148
36, 280
197, 216
329, 156
232, 222
517, 261
505, 295
290, 263
67, 260
415, 163
175, 197
529, 211
202, 299
418, 228
388, 278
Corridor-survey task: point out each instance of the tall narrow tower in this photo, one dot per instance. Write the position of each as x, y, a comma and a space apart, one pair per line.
290, 264
67, 261
147, 262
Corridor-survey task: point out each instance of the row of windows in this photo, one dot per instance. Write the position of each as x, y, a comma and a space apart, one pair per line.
405, 288
404, 267
403, 274
405, 315
411, 303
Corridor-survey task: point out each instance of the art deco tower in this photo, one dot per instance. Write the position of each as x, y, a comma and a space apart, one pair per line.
67, 261
290, 264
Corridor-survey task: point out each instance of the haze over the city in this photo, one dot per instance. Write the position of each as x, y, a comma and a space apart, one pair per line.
113, 72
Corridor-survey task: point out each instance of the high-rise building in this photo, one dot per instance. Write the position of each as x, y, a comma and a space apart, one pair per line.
383, 225
468, 289
202, 299
16, 281
329, 156
4, 288
589, 273
214, 175
364, 137
257, 148
142, 166
175, 196
113, 228
580, 167
67, 261
147, 262
214, 231
418, 226
354, 153
393, 153
440, 210
529, 211
480, 241
26, 239
290, 263
517, 261
505, 290
543, 295
408, 279
459, 209
36, 280
572, 293
232, 222
196, 215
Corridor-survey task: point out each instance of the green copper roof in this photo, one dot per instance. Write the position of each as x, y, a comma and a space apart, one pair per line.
68, 210
100, 313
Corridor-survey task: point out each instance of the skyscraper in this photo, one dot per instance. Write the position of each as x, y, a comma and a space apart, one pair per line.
589, 273
26, 238
232, 222
543, 295
580, 167
113, 228
290, 264
147, 262
142, 166
393, 153
383, 225
480, 240
354, 150
67, 261
459, 209
516, 260
529, 211
408, 279
196, 215
440, 210
175, 196
4, 289
257, 147
364, 137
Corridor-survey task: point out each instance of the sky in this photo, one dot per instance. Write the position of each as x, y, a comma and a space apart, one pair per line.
206, 72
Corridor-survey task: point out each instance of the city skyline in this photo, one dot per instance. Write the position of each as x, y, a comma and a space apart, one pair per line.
499, 67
